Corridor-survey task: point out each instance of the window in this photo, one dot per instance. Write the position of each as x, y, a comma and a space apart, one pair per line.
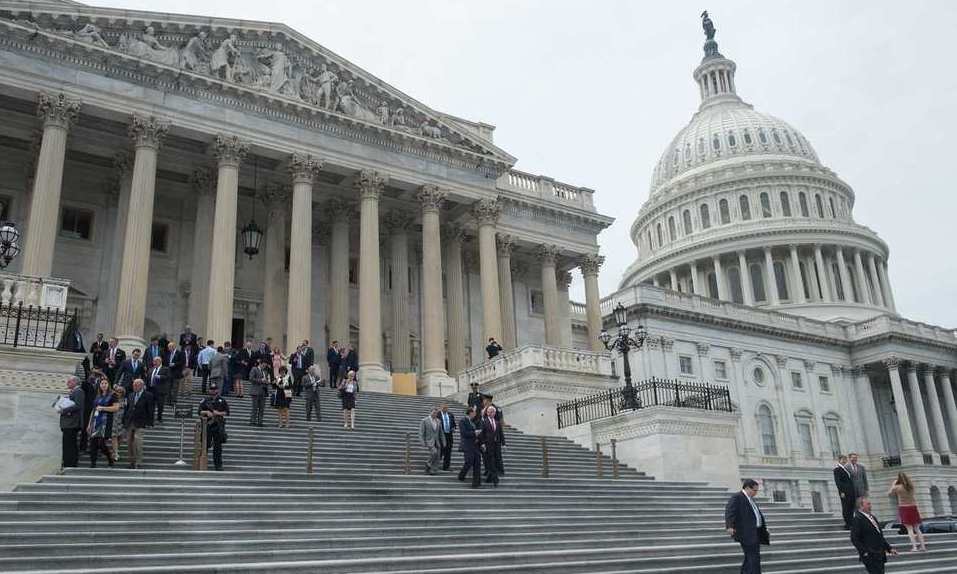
650, 244
688, 153
765, 204
838, 282
747, 137
705, 216
536, 302
76, 223
732, 142
820, 205
672, 229
802, 198
824, 383
834, 438
787, 136
661, 239
734, 279
757, 282
353, 271
769, 444
779, 495
684, 365
745, 207
796, 381
780, 277
785, 204
830, 200
701, 147
675, 161
159, 237
763, 137
720, 370
724, 211
757, 375
712, 286
715, 143
776, 136
686, 220
804, 432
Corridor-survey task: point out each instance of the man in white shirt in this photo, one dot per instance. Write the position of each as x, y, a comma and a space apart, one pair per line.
745, 523
867, 538
203, 359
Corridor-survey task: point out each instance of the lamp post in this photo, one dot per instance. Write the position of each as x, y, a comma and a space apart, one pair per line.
625, 341
9, 243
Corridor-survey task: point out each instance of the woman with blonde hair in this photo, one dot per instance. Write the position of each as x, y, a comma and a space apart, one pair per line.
903, 489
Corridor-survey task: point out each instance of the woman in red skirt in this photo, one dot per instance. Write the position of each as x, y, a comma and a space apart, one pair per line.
903, 489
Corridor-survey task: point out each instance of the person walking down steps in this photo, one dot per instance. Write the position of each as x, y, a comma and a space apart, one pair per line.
348, 389
283, 397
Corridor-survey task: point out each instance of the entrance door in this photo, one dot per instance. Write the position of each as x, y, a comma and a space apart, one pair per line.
239, 333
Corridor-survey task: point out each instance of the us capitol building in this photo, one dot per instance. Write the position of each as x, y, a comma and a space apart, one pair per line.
238, 177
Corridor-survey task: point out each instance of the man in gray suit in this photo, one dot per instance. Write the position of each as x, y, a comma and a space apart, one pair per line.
858, 477
71, 419
218, 364
310, 384
258, 392
432, 437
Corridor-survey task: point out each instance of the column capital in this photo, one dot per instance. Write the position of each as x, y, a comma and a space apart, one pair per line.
397, 222
431, 197
370, 183
891, 362
910, 367
563, 278
201, 180
147, 131
781, 361
57, 110
505, 244
590, 263
339, 209
548, 254
703, 349
303, 167
230, 150
454, 234
487, 211
274, 197
517, 269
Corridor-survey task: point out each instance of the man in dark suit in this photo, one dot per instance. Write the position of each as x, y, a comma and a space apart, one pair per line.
157, 383
189, 339
244, 359
471, 436
447, 420
301, 360
333, 359
858, 476
475, 398
175, 361
845, 488
114, 357
139, 417
867, 537
132, 368
493, 439
153, 350
745, 523
98, 350
71, 419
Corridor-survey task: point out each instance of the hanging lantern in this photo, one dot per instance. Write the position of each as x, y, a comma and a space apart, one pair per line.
9, 243
252, 237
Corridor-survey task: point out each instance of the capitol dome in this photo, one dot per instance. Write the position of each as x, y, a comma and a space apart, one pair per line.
741, 209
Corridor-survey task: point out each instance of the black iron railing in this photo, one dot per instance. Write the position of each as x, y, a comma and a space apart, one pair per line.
653, 392
889, 461
34, 326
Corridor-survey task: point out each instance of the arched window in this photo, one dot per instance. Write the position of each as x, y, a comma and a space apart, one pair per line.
672, 229
725, 212
701, 147
788, 137
661, 240
765, 204
802, 199
820, 205
780, 278
830, 200
769, 443
675, 159
705, 216
762, 137
715, 142
785, 204
757, 283
776, 136
732, 141
747, 137
712, 286
745, 208
734, 278
686, 221
687, 152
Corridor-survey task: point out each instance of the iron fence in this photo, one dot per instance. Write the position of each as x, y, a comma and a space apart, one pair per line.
653, 392
37, 327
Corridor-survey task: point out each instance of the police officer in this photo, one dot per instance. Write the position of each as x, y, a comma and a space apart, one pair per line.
475, 398
214, 411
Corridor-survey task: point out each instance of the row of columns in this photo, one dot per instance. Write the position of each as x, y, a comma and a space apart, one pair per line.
822, 286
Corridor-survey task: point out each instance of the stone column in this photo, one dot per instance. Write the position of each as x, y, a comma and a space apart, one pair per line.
771, 283
719, 279
868, 412
505, 246
936, 413
455, 299
303, 169
398, 225
369, 185
908, 447
547, 255
949, 404
58, 113
888, 291
696, 284
673, 280
798, 284
486, 212
563, 282
202, 184
230, 151
845, 276
340, 213
920, 415
436, 381
147, 134
118, 203
862, 289
275, 199
875, 281
811, 272
822, 275
747, 290
590, 264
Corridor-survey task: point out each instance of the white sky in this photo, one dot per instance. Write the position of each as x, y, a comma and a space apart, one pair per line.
590, 93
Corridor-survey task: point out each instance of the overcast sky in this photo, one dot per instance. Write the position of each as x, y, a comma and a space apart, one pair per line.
590, 93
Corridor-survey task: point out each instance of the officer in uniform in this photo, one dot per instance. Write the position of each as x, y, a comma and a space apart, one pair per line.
214, 411
475, 398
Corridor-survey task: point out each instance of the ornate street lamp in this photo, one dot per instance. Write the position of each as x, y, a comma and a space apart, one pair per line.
251, 234
9, 243
623, 342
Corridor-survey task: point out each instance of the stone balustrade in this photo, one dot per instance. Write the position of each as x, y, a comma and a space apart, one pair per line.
536, 356
889, 324
46, 292
547, 189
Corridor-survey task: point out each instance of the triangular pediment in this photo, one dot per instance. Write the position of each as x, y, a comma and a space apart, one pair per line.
273, 61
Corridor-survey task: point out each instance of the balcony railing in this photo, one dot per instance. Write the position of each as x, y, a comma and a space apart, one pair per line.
36, 327
547, 189
653, 392
536, 356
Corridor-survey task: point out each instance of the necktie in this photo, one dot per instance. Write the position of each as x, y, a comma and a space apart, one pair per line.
134, 365
155, 374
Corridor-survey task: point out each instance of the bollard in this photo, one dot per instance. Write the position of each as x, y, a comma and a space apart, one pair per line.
408, 453
598, 459
200, 461
544, 458
310, 452
614, 458
197, 451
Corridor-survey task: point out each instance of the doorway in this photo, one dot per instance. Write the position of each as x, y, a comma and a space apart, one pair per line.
239, 333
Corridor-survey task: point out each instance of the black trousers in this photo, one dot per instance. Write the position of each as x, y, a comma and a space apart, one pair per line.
488, 459
214, 438
204, 372
847, 509
71, 452
447, 452
297, 382
98, 445
312, 403
160, 403
752, 559
473, 462
874, 564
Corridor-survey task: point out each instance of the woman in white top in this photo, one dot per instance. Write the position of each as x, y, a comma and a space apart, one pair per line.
348, 389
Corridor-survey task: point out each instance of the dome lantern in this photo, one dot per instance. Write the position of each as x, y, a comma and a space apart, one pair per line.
715, 75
